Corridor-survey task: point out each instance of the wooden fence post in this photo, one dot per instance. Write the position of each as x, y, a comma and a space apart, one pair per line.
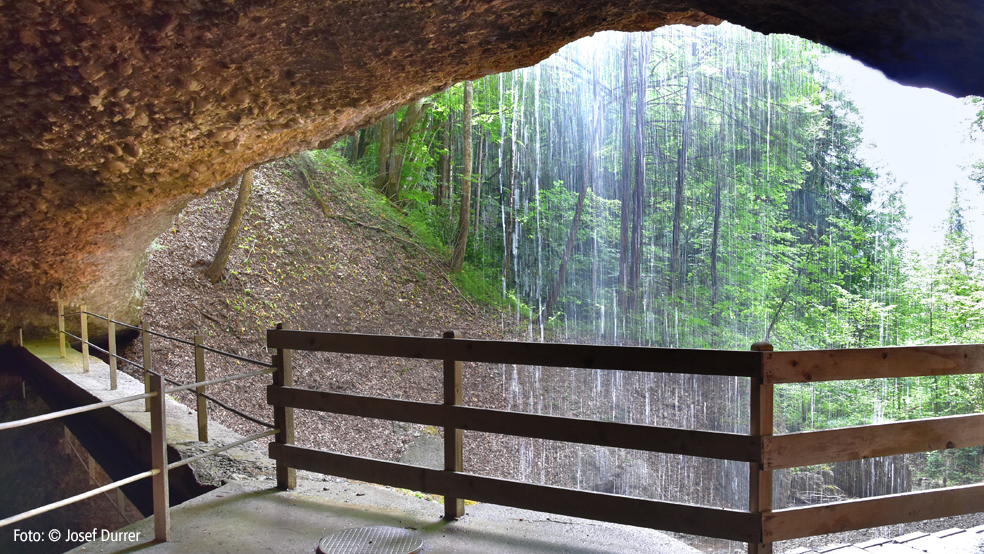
61, 327
760, 480
84, 333
20, 336
453, 507
111, 337
200, 391
283, 417
158, 456
147, 362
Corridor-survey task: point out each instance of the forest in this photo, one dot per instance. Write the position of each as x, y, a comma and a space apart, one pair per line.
692, 188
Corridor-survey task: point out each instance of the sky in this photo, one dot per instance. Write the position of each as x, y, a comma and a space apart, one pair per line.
921, 137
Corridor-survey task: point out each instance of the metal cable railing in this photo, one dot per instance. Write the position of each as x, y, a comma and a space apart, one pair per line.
154, 396
146, 367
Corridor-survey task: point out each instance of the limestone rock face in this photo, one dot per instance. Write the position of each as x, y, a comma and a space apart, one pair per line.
114, 113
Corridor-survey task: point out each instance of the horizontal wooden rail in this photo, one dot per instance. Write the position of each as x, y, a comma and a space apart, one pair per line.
804, 366
708, 444
796, 523
666, 516
871, 441
626, 358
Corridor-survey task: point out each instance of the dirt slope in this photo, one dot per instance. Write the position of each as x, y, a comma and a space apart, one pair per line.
355, 269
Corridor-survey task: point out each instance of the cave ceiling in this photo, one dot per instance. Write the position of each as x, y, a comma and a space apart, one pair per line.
114, 113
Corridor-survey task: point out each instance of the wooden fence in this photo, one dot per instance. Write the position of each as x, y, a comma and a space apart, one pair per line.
759, 526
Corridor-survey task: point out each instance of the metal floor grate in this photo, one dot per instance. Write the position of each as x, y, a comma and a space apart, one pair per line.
372, 540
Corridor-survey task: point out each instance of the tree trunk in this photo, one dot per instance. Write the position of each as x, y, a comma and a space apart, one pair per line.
387, 128
509, 217
482, 145
393, 147
444, 164
675, 265
232, 230
401, 142
360, 146
715, 236
592, 151
458, 255
639, 192
626, 181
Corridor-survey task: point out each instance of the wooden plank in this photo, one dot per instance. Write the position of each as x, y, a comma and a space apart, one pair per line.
707, 444
200, 391
111, 339
158, 456
666, 516
454, 507
759, 478
61, 327
84, 333
626, 358
796, 523
409, 411
147, 359
871, 363
283, 416
871, 441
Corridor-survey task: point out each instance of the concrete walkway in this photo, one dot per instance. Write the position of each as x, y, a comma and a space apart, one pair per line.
250, 515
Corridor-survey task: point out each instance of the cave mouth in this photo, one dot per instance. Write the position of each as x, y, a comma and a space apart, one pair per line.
112, 119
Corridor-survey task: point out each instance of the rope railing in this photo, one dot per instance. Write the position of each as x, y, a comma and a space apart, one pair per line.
146, 367
78, 497
240, 358
154, 396
215, 451
72, 411
219, 402
219, 380
169, 337
200, 381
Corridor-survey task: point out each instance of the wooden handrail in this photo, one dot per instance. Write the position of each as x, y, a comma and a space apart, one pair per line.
760, 526
872, 441
708, 444
624, 358
804, 366
653, 514
851, 515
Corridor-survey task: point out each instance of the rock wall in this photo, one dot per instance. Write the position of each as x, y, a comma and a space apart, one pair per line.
114, 113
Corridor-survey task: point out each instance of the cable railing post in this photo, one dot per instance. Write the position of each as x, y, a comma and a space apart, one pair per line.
61, 327
283, 417
158, 456
453, 507
200, 391
111, 337
121, 502
84, 333
760, 425
145, 335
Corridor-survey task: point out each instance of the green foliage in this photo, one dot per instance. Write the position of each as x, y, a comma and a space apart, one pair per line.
782, 228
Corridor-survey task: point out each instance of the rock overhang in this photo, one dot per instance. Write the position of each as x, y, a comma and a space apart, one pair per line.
113, 113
